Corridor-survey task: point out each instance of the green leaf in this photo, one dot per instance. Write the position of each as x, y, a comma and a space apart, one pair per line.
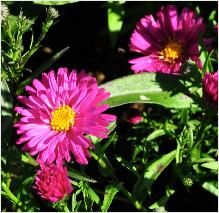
41, 69
211, 165
150, 174
115, 20
127, 165
80, 176
157, 133
13, 24
156, 88
45, 2
160, 204
205, 57
212, 15
28, 159
110, 192
75, 204
153, 171
6, 105
93, 195
211, 186
207, 65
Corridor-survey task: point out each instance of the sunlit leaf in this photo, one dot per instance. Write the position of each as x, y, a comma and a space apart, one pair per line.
156, 88
211, 165
151, 173
115, 20
211, 186
110, 192
45, 2
155, 134
161, 203
80, 176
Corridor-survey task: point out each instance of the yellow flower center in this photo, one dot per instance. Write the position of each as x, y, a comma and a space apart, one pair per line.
62, 118
171, 52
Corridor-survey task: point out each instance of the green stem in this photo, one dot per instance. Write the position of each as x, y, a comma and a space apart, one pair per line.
45, 29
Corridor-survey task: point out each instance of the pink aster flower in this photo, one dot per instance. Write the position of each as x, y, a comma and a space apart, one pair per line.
58, 113
52, 182
166, 42
210, 88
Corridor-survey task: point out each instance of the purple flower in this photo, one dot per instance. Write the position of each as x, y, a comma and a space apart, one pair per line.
166, 42
52, 182
59, 112
210, 88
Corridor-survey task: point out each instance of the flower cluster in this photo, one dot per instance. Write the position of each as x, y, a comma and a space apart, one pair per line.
166, 42
56, 117
62, 109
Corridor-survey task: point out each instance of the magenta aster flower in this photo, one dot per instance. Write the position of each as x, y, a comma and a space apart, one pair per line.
166, 42
52, 182
210, 88
59, 112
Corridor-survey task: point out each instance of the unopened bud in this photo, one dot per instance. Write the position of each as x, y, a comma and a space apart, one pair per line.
4, 12
187, 181
52, 13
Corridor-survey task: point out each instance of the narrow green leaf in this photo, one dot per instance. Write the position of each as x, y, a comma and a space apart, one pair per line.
93, 195
156, 88
42, 69
160, 204
207, 65
211, 186
28, 159
127, 165
157, 133
211, 165
203, 160
151, 173
205, 57
80, 176
45, 2
75, 204
110, 192
115, 20
212, 15
6, 105
9, 193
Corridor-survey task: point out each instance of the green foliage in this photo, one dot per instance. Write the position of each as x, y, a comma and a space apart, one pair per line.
110, 192
115, 20
157, 88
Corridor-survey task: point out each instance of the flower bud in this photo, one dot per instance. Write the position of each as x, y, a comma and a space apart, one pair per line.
4, 12
52, 13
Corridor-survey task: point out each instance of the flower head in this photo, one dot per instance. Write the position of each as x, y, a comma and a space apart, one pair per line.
4, 12
59, 112
210, 88
166, 42
52, 182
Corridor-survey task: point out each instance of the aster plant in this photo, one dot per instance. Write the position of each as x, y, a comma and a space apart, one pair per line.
139, 141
